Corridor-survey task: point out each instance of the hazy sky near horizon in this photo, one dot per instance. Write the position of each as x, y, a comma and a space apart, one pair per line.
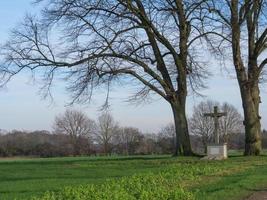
22, 108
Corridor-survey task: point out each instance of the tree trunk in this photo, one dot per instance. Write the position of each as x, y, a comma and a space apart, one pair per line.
76, 146
251, 101
106, 148
248, 80
183, 146
205, 145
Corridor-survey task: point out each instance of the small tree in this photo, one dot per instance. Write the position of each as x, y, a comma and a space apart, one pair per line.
128, 138
75, 124
166, 138
148, 144
107, 128
201, 126
230, 124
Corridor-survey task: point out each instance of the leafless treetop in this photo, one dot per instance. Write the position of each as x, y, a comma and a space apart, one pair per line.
97, 41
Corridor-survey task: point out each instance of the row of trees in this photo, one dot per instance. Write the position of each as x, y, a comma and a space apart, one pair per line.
159, 44
106, 130
74, 133
46, 144
126, 141
104, 133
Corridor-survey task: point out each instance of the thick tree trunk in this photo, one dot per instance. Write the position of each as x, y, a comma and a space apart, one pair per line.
183, 145
251, 101
248, 79
178, 98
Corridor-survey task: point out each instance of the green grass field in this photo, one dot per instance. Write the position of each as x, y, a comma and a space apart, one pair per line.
231, 179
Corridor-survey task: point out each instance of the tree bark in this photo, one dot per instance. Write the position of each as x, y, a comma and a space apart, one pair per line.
183, 145
251, 101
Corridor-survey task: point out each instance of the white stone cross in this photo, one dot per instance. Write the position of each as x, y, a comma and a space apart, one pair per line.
216, 115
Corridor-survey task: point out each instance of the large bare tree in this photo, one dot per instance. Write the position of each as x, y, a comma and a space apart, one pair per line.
241, 25
97, 42
75, 124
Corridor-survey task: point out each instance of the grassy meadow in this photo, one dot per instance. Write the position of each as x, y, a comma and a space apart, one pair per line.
137, 177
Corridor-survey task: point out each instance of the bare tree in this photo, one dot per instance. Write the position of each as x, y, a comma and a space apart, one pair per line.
75, 124
230, 124
166, 138
200, 125
107, 128
101, 41
241, 25
203, 127
148, 144
128, 138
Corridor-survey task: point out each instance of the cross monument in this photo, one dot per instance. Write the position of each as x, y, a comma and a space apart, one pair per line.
216, 115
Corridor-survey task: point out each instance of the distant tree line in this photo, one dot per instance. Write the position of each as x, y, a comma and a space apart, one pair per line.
74, 134
46, 144
128, 141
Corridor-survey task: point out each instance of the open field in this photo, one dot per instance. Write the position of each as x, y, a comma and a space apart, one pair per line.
234, 178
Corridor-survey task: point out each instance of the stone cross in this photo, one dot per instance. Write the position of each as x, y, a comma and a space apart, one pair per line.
216, 115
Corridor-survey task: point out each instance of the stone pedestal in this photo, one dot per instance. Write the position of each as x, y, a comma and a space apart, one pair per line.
216, 151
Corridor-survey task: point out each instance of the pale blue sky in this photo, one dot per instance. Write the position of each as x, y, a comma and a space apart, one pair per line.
22, 108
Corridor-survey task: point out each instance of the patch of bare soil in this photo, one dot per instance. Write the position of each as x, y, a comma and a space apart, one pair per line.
261, 195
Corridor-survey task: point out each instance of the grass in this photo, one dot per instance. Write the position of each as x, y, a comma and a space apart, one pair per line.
245, 176
231, 179
23, 178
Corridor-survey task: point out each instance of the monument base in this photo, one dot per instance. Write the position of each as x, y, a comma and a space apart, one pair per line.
216, 152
